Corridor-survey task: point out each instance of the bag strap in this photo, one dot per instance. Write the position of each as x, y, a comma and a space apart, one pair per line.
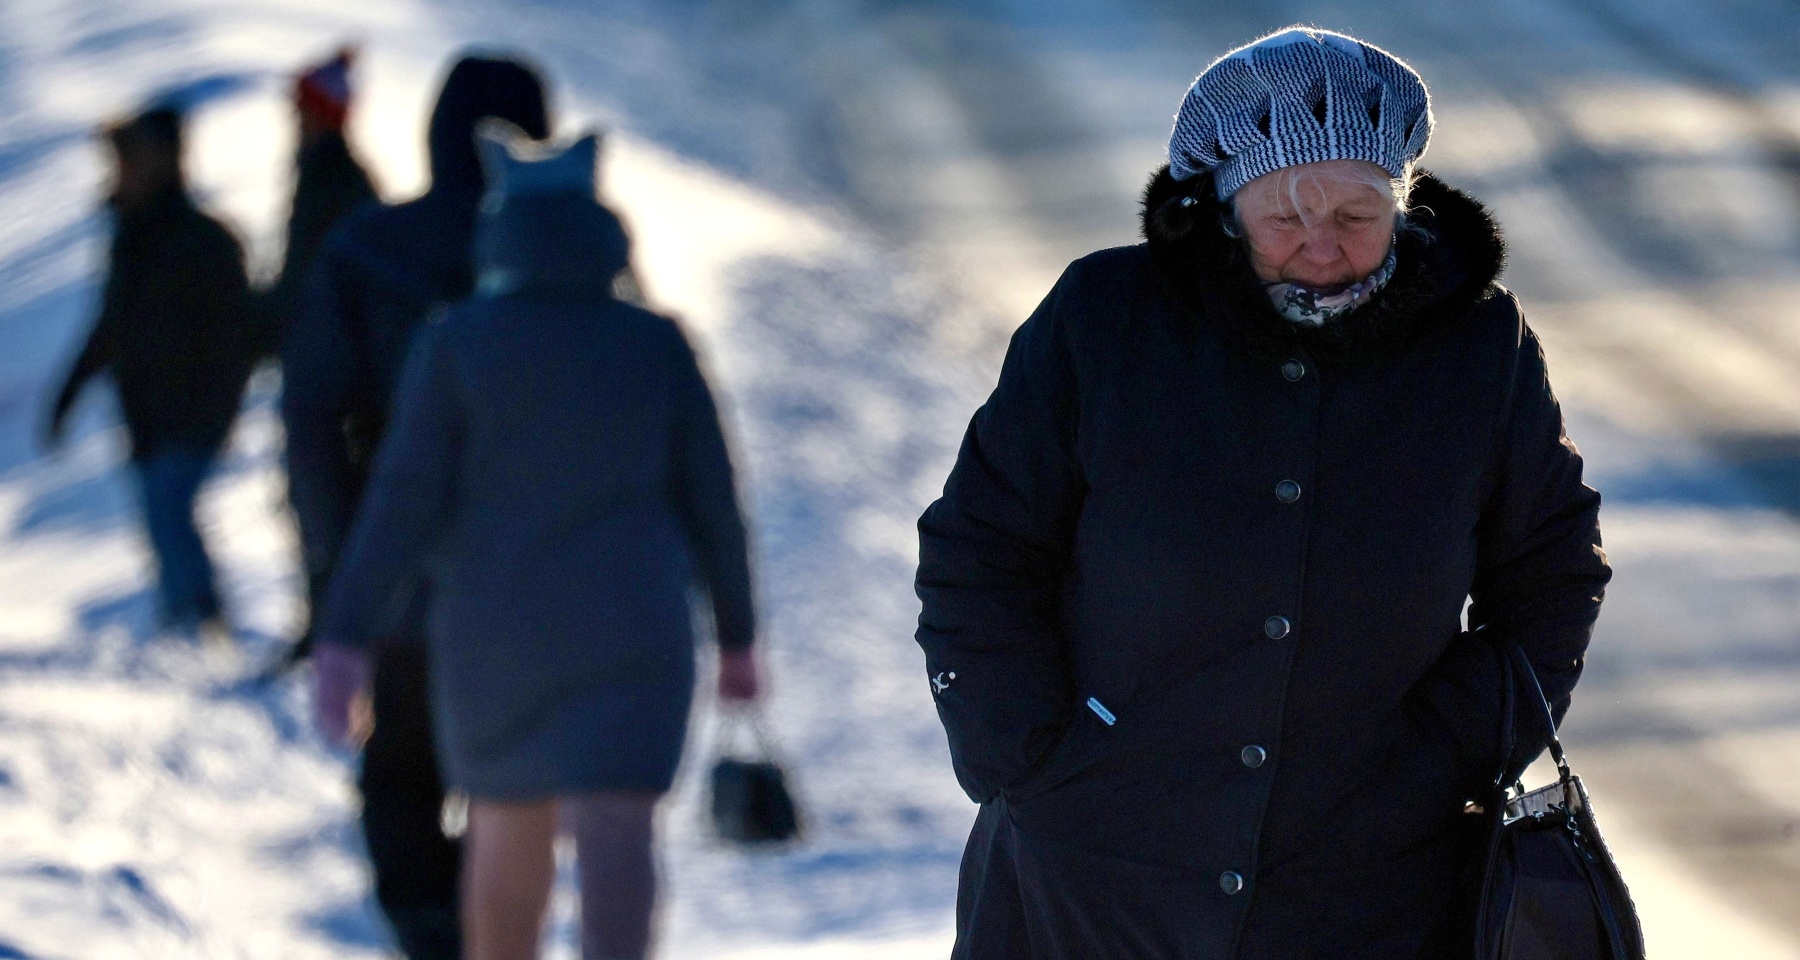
1521, 663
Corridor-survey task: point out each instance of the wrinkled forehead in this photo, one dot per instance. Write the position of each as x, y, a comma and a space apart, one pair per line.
1317, 189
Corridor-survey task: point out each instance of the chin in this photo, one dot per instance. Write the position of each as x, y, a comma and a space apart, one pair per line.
1330, 283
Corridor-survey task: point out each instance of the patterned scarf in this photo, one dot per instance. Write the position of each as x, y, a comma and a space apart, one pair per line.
1310, 308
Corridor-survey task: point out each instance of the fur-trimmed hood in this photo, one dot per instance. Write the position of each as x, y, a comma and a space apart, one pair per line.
1448, 262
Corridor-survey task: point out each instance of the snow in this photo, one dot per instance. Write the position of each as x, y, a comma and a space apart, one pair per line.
850, 208
155, 805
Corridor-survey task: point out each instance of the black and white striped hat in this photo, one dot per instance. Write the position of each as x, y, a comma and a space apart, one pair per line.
1299, 96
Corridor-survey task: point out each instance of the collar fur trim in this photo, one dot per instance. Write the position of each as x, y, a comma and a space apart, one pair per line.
1449, 261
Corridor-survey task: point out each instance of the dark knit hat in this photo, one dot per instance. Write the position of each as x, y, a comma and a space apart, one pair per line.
322, 92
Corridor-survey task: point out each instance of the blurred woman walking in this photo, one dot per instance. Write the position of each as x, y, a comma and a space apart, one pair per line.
556, 457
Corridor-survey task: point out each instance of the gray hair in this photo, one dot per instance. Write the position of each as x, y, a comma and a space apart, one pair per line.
1398, 190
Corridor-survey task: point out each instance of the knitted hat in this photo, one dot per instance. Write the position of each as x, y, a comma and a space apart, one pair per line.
322, 92
1299, 96
541, 223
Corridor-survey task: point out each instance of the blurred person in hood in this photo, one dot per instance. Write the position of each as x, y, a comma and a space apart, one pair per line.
174, 316
557, 458
329, 185
376, 279
1193, 595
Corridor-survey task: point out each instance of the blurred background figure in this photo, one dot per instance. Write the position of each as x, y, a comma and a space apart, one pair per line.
558, 455
173, 320
329, 184
380, 275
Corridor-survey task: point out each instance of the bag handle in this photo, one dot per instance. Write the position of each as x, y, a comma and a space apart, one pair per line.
731, 718
1520, 664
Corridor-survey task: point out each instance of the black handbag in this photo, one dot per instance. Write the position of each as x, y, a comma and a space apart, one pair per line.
751, 803
1550, 889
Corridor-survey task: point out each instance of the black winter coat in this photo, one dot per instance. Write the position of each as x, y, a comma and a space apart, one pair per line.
172, 330
1193, 599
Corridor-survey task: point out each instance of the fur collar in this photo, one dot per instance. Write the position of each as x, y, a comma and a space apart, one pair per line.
1448, 262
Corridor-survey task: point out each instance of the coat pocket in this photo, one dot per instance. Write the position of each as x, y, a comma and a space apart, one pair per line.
1081, 905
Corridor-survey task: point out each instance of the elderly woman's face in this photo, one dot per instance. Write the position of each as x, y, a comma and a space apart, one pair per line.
1319, 225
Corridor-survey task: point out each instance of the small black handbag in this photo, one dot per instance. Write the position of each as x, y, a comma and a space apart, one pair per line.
1549, 890
751, 803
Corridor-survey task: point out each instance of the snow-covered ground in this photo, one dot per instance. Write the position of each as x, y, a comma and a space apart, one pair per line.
851, 204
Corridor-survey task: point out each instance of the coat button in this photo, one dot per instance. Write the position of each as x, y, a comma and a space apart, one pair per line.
1253, 756
1287, 491
1232, 882
1293, 370
1277, 627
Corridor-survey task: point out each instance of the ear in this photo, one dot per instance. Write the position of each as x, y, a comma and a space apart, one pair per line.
494, 142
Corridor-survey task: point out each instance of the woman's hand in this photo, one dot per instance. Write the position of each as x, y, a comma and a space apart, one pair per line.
739, 678
341, 678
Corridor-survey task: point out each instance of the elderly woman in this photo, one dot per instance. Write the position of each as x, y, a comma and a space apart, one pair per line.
1194, 593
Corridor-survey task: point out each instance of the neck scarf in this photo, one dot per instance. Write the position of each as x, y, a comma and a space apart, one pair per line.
1311, 308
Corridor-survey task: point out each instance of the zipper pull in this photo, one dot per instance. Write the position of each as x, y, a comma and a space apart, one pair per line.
1105, 715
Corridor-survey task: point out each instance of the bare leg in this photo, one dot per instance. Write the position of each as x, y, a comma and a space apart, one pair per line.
508, 866
618, 871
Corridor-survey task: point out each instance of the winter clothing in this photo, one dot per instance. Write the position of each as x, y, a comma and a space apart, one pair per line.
168, 484
1249, 542
567, 447
417, 868
329, 185
322, 92
1315, 308
1299, 96
379, 275
171, 329
538, 212
173, 319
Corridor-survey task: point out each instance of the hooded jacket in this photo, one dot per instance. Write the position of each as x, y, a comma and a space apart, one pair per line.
382, 272
557, 459
1193, 598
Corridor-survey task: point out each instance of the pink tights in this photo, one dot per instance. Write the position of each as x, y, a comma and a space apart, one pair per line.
509, 866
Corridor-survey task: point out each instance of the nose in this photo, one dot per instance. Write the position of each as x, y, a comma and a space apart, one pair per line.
1321, 245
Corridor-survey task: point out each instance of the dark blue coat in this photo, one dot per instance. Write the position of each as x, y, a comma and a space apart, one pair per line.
1193, 599
557, 462
380, 274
